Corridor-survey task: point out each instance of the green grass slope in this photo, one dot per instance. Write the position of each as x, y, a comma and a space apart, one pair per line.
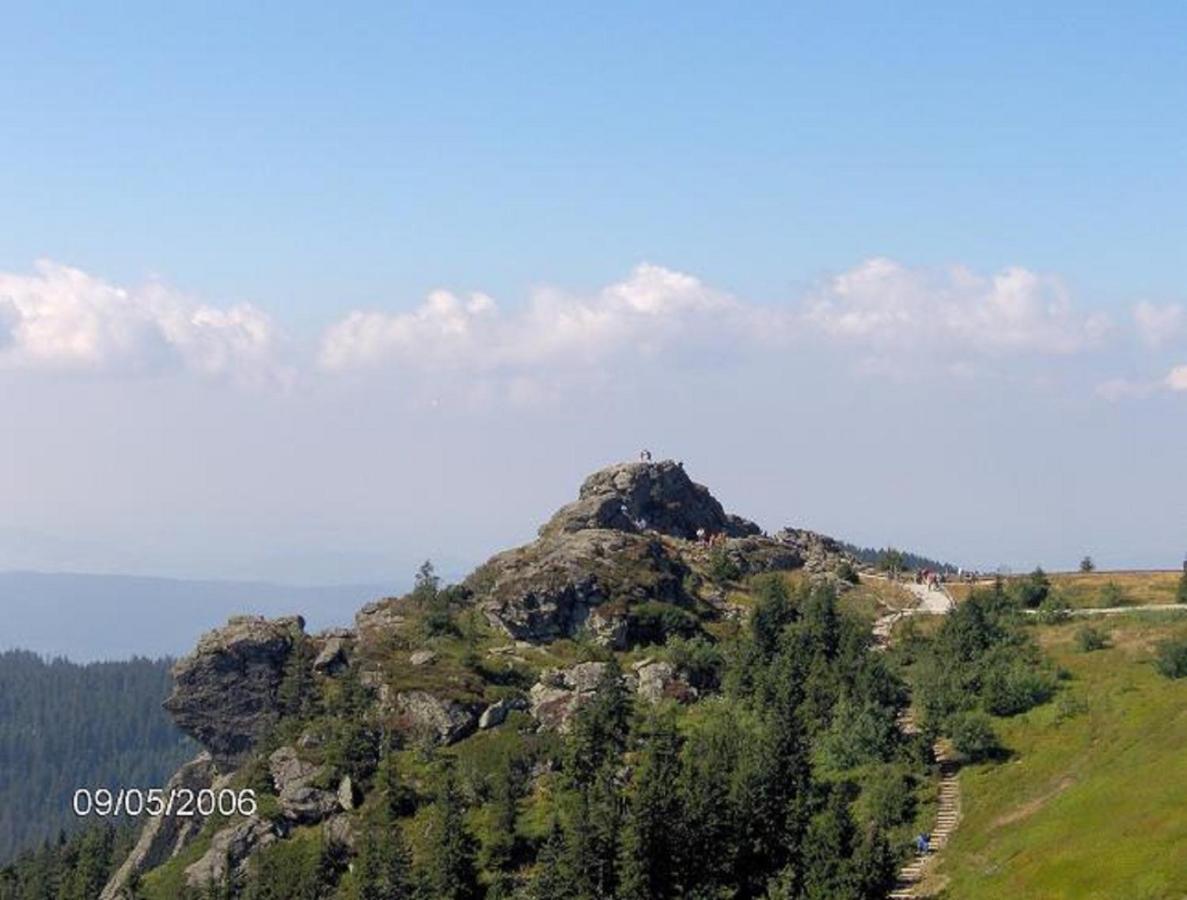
1090, 805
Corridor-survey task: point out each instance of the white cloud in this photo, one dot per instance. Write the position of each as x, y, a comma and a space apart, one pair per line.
651, 310
61, 318
1158, 324
882, 303
1176, 379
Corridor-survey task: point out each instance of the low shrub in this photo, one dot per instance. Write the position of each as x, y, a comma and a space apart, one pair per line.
654, 622
1172, 658
973, 737
1012, 689
721, 567
1090, 638
1053, 610
1113, 595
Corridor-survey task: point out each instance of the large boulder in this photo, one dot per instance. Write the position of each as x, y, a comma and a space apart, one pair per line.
659, 681
563, 583
306, 805
289, 770
646, 496
224, 693
442, 720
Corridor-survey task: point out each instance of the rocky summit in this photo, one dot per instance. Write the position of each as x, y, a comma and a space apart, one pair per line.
647, 497
644, 557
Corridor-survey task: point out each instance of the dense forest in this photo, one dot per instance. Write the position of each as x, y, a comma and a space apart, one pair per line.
65, 726
68, 868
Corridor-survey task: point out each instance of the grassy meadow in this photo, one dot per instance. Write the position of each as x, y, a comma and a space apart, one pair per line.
1085, 590
1090, 803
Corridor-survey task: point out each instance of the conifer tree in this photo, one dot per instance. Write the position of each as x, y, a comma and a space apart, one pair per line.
828, 850
552, 879
450, 871
648, 848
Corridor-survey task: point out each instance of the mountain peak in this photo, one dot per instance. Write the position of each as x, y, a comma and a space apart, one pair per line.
647, 496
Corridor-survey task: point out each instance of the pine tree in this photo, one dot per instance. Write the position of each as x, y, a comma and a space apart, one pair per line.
828, 849
450, 871
600, 727
707, 829
874, 864
648, 847
552, 879
501, 844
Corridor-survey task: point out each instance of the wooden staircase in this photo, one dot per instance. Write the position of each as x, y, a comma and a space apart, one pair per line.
947, 817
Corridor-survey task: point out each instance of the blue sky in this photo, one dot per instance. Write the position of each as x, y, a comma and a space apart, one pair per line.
256, 200
311, 158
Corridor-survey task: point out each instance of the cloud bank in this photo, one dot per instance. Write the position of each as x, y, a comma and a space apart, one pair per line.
62, 319
880, 314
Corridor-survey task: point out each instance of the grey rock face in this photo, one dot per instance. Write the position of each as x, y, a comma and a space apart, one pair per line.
346, 793
443, 720
819, 553
332, 657
163, 837
552, 588
224, 693
230, 849
306, 805
339, 832
561, 692
646, 496
659, 681
288, 770
422, 657
293, 777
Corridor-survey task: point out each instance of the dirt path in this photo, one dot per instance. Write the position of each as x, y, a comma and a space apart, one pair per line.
1120, 610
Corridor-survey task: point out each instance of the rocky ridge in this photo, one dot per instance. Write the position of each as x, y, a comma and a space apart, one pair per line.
642, 543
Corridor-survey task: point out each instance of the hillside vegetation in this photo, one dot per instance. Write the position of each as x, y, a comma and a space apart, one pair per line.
1089, 802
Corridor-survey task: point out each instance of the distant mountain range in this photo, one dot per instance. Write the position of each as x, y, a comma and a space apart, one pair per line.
100, 617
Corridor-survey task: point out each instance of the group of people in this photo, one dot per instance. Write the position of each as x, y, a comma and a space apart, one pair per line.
930, 577
715, 539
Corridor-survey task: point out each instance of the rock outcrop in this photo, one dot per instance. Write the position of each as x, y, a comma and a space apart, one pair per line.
230, 850
441, 719
660, 681
163, 837
556, 697
224, 693
560, 693
563, 583
645, 496
818, 553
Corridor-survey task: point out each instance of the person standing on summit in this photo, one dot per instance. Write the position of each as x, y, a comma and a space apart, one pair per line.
645, 455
